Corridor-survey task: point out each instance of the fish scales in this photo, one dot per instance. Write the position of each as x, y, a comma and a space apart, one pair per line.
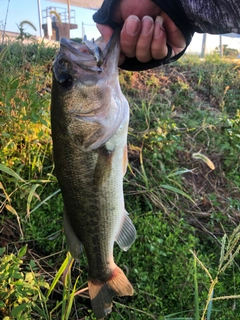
89, 117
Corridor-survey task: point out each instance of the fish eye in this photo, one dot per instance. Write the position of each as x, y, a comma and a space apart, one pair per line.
65, 81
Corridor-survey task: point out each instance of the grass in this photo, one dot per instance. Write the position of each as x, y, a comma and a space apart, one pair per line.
181, 190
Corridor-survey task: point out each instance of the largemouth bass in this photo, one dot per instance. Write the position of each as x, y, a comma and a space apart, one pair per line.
89, 117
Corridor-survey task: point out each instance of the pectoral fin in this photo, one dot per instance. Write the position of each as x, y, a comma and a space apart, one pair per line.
127, 234
109, 132
73, 243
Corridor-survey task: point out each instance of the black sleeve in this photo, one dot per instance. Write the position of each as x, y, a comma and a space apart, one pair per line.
213, 16
173, 9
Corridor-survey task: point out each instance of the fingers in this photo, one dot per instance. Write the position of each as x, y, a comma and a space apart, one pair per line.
144, 39
136, 38
159, 48
174, 36
143, 47
129, 36
147, 39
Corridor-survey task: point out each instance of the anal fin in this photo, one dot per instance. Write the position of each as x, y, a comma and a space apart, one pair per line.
127, 234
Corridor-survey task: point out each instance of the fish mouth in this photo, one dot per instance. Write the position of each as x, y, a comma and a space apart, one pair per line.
90, 55
78, 54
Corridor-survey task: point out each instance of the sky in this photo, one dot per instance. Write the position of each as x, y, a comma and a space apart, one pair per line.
20, 10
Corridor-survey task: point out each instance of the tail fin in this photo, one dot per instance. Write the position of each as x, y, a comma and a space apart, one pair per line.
101, 294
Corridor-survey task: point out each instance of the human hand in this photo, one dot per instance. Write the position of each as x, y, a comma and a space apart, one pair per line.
146, 31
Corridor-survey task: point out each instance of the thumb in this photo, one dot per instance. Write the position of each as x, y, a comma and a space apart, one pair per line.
174, 36
105, 31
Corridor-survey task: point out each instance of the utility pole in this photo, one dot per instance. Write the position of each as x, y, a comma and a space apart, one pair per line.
204, 41
68, 6
221, 46
40, 17
83, 31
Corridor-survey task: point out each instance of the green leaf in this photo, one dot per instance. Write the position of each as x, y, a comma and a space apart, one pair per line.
45, 200
32, 264
44, 122
41, 312
30, 196
6, 135
14, 83
178, 173
71, 299
17, 275
176, 190
11, 94
10, 172
19, 309
59, 273
3, 52
2, 250
22, 252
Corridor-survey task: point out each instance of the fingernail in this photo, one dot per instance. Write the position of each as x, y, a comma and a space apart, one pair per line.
158, 26
159, 20
147, 25
132, 25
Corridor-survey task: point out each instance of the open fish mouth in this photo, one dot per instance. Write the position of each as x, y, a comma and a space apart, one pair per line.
95, 50
89, 55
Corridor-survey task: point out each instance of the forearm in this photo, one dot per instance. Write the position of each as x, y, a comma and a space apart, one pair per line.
222, 16
210, 16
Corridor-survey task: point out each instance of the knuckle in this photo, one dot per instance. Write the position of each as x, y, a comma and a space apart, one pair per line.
160, 53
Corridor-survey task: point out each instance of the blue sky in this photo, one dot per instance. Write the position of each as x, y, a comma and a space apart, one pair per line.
28, 10
20, 10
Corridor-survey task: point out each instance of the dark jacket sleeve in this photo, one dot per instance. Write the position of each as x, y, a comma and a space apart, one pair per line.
213, 16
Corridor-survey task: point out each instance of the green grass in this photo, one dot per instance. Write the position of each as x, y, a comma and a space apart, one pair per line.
181, 190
